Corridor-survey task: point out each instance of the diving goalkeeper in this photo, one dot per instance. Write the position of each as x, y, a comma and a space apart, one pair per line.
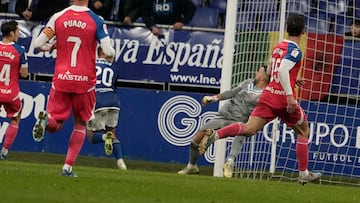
240, 104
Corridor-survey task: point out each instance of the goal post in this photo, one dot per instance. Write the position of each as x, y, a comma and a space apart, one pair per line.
331, 69
226, 72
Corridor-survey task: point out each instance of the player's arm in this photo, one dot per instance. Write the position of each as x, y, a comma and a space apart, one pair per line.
102, 35
231, 93
210, 99
24, 70
41, 42
223, 96
284, 78
108, 50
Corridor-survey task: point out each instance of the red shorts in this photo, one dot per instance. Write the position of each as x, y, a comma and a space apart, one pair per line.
60, 105
291, 119
12, 108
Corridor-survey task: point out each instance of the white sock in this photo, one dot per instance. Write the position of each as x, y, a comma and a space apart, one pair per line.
104, 137
304, 173
230, 159
4, 151
189, 165
67, 167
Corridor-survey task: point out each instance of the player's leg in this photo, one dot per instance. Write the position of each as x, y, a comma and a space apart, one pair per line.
76, 141
112, 117
235, 149
259, 117
58, 110
83, 105
194, 154
13, 111
302, 154
117, 151
97, 132
298, 122
191, 167
254, 124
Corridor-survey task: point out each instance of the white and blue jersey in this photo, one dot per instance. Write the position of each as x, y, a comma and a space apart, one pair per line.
106, 76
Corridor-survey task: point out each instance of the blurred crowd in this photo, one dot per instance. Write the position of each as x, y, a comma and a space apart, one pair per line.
151, 12
175, 13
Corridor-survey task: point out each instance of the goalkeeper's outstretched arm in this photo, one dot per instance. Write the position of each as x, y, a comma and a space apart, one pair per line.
222, 96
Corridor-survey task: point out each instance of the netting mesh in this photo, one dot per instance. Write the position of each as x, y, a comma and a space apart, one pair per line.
331, 69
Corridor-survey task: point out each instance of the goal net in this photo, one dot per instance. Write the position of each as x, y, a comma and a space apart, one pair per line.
331, 69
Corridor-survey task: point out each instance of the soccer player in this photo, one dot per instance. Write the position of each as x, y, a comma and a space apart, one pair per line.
101, 129
13, 63
77, 30
278, 100
242, 101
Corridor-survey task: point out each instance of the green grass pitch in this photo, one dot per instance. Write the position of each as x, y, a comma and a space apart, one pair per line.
38, 182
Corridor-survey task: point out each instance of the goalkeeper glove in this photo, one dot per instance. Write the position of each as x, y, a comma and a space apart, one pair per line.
209, 99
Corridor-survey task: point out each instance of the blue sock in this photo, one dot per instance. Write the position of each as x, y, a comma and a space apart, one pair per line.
97, 138
117, 151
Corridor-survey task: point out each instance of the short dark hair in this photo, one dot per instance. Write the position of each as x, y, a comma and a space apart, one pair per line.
99, 50
7, 27
264, 66
356, 22
295, 24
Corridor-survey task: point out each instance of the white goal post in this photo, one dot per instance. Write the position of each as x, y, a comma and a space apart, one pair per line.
331, 68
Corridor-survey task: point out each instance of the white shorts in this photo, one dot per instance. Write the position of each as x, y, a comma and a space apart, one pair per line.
104, 118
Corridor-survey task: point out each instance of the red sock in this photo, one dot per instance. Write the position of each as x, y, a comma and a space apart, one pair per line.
75, 143
302, 153
53, 125
230, 130
10, 135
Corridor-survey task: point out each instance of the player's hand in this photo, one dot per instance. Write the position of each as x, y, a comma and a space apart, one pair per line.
178, 25
127, 20
110, 58
156, 31
47, 47
291, 104
300, 82
209, 99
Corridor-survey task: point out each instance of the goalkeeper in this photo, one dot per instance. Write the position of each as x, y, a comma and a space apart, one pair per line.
241, 103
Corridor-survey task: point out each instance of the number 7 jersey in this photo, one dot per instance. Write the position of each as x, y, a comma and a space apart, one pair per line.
77, 30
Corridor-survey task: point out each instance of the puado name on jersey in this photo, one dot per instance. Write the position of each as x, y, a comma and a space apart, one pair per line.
75, 23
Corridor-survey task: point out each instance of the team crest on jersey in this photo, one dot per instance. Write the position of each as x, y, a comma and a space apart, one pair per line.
295, 53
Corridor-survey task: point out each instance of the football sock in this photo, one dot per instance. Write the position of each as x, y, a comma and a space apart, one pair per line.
4, 151
97, 138
302, 153
53, 125
236, 146
75, 143
304, 173
67, 167
230, 130
117, 151
193, 153
10, 135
